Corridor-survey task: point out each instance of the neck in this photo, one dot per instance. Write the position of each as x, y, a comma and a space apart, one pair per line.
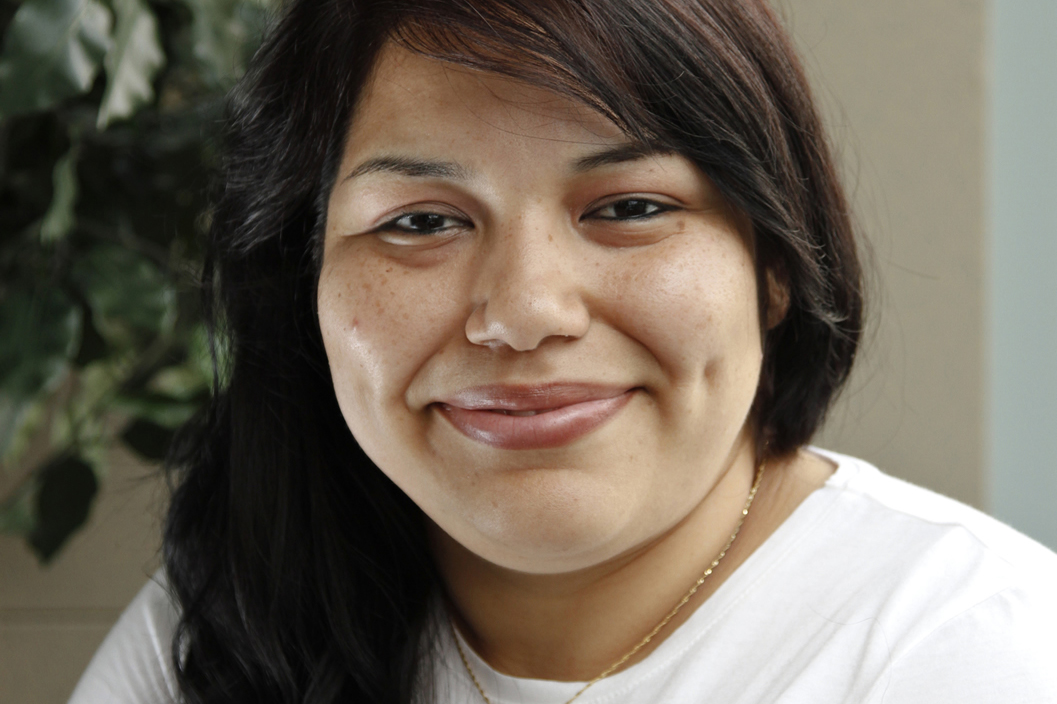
573, 626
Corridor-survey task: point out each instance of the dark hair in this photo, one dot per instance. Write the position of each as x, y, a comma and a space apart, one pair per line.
302, 572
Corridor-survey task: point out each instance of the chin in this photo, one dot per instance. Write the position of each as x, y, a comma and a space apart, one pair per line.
551, 521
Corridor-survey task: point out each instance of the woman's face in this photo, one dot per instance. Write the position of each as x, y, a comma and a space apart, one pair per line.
546, 335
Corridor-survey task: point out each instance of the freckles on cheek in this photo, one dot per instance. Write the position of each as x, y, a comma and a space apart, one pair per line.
381, 322
367, 332
707, 284
661, 287
341, 321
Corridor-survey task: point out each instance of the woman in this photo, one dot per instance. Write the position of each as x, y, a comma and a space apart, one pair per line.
532, 308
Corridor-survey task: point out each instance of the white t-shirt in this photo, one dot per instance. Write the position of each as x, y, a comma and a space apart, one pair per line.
873, 591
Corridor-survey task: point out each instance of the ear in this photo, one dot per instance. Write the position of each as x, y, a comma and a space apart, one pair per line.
777, 296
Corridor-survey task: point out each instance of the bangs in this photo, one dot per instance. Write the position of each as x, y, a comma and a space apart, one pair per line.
564, 48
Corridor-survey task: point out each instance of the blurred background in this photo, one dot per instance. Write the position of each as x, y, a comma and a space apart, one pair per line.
944, 116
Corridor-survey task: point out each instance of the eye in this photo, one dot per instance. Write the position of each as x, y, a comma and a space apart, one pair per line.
629, 209
422, 223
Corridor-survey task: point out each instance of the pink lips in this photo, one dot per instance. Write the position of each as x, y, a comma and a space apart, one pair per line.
532, 417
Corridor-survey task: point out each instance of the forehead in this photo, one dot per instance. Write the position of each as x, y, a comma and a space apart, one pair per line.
411, 99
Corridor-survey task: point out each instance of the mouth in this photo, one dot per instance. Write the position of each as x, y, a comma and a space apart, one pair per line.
532, 417
523, 414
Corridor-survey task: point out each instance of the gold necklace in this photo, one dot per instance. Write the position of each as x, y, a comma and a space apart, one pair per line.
656, 629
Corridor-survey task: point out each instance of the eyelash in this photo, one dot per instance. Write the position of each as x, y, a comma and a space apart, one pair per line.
657, 209
394, 226
654, 209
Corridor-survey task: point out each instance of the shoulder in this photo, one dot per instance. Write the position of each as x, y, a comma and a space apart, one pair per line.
134, 663
877, 505
964, 602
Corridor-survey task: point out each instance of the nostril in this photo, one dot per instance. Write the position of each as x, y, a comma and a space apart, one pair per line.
520, 311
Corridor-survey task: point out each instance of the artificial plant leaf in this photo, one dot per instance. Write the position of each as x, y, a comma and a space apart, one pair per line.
218, 36
88, 410
201, 351
149, 440
66, 490
93, 347
16, 512
134, 59
184, 382
129, 296
52, 51
223, 32
160, 410
20, 419
39, 333
59, 219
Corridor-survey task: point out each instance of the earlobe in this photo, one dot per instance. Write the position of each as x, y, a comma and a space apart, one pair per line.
777, 297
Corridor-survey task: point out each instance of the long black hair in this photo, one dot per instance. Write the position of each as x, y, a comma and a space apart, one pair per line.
301, 571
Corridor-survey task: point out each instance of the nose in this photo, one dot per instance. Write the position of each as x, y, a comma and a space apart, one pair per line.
527, 290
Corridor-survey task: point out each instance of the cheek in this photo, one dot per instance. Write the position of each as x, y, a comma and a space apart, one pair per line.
379, 322
691, 301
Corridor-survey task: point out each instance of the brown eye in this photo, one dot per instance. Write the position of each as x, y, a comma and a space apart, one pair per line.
630, 209
423, 223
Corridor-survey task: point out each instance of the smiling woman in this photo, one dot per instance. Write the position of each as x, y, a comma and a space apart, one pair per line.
533, 308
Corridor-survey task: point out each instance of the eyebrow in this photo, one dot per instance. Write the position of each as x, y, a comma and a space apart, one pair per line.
621, 153
434, 168
411, 167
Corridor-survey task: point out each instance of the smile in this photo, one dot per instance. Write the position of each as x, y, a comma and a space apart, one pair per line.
536, 417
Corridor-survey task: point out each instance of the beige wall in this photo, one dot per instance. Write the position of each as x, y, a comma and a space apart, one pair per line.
902, 85
53, 618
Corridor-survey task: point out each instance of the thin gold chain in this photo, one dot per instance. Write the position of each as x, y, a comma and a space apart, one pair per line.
656, 629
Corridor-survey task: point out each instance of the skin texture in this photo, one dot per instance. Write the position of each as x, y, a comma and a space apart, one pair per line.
502, 258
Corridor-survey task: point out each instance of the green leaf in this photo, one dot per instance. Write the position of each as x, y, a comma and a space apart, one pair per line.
39, 333
67, 487
224, 34
218, 37
201, 356
59, 219
88, 410
129, 296
132, 63
20, 418
149, 440
93, 347
160, 410
16, 513
52, 52
183, 382
198, 349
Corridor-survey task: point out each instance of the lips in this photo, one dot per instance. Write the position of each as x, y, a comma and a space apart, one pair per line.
532, 417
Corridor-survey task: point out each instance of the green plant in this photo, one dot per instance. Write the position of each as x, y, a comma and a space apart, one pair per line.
106, 115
